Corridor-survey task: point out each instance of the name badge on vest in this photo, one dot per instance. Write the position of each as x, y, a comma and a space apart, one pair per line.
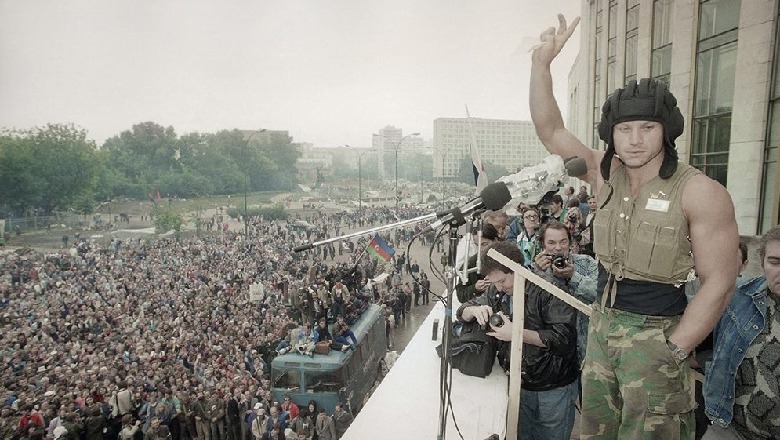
659, 205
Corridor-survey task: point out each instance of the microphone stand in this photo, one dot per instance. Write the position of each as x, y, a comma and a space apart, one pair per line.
451, 278
307, 246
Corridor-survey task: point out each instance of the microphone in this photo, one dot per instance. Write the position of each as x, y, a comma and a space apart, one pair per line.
492, 197
531, 184
575, 166
303, 247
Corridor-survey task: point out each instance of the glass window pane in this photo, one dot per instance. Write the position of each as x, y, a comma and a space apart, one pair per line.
769, 196
661, 61
776, 73
612, 19
288, 379
662, 17
703, 70
718, 16
771, 154
718, 173
611, 77
699, 132
724, 65
631, 45
769, 199
323, 381
632, 18
721, 134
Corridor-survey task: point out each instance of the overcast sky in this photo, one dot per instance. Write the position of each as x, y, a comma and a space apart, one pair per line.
329, 72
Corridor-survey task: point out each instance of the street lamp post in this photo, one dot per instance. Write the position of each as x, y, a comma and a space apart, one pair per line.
360, 184
246, 184
396, 147
422, 195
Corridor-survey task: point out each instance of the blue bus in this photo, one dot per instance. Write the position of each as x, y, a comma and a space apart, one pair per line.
338, 376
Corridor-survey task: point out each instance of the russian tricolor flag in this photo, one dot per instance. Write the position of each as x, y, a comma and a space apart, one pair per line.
477, 167
379, 248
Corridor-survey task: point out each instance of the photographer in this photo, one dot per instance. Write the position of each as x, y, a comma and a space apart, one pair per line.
475, 284
549, 364
578, 272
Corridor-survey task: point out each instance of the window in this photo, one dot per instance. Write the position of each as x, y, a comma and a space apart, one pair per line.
661, 58
598, 98
714, 91
612, 47
770, 192
323, 382
288, 379
632, 31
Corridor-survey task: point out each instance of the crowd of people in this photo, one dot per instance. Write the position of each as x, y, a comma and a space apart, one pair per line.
159, 338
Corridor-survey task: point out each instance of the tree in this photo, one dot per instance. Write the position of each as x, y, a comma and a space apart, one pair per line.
51, 167
166, 220
20, 185
282, 154
145, 152
415, 166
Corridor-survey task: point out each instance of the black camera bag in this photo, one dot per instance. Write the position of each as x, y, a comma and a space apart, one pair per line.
473, 352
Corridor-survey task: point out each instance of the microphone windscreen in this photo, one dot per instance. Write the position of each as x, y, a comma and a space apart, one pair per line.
576, 166
495, 196
303, 247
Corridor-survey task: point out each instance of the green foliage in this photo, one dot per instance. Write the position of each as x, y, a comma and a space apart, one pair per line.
166, 219
150, 158
84, 204
275, 212
51, 167
56, 168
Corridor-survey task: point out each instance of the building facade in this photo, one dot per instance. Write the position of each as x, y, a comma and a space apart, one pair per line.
388, 142
720, 59
510, 144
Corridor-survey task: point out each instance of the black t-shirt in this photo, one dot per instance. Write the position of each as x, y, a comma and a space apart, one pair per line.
644, 297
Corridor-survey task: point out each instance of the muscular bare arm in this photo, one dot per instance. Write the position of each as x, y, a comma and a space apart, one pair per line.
545, 113
714, 238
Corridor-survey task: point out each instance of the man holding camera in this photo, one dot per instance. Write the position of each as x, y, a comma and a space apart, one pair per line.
549, 364
579, 272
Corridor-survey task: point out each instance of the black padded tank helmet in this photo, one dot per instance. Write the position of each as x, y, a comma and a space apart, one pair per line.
649, 100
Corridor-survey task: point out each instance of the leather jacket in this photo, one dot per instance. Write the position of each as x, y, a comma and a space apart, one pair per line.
543, 368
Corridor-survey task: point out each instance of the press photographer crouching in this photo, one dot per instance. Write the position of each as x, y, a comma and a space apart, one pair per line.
549, 364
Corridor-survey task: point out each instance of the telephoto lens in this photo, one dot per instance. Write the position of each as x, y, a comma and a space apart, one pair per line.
496, 320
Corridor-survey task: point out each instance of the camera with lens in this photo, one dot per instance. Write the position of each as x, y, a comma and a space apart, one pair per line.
496, 320
559, 261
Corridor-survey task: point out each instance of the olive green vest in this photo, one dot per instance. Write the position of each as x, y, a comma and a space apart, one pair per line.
645, 237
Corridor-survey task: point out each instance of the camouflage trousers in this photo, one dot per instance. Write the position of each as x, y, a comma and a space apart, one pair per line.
632, 388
